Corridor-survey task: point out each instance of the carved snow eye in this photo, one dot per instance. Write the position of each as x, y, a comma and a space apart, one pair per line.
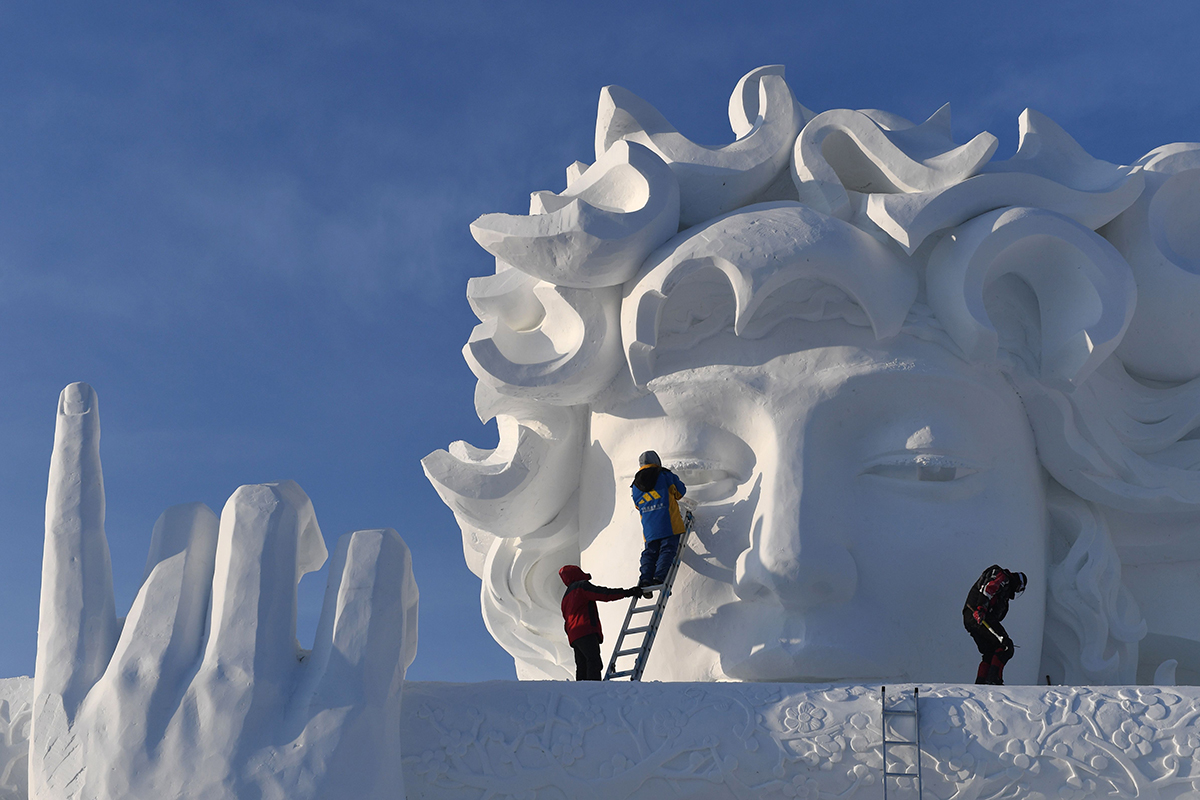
707, 482
921, 467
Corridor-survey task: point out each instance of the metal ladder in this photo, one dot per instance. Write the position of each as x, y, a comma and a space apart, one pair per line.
915, 742
650, 629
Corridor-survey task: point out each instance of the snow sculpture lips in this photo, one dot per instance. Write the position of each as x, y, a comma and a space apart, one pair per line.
1083, 286
764, 116
759, 249
843, 149
599, 230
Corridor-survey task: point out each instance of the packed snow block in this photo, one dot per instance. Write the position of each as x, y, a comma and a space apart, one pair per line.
722, 740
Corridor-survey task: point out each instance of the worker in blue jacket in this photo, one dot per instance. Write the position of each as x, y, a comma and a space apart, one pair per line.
656, 493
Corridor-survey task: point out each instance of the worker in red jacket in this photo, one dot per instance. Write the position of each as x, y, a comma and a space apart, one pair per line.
986, 606
582, 620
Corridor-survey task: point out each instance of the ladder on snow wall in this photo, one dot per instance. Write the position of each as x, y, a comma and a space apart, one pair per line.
641, 651
913, 713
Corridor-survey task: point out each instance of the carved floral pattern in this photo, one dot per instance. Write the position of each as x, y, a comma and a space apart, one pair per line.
550, 740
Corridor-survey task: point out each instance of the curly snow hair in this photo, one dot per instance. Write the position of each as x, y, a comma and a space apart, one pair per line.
1033, 265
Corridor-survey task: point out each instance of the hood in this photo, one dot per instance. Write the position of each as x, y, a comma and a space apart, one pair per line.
571, 574
647, 477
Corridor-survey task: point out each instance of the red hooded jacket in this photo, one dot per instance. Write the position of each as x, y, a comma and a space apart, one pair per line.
580, 616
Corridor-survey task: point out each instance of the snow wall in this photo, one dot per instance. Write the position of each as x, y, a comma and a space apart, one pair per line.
549, 740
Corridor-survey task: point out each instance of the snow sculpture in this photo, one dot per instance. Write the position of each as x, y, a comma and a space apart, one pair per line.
874, 355
202, 690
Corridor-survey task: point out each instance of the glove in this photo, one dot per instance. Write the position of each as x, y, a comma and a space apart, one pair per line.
978, 614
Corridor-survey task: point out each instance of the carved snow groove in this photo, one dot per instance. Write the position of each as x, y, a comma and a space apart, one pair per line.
765, 117
540, 341
761, 249
1084, 289
872, 152
598, 231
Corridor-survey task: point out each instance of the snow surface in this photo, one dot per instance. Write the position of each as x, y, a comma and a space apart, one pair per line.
613, 741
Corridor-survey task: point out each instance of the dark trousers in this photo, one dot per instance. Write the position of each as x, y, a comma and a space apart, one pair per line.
587, 657
993, 654
657, 558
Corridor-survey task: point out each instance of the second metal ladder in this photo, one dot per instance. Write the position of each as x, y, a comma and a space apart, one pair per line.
915, 742
641, 651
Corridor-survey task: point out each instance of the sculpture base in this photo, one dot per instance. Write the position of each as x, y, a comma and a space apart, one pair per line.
740, 740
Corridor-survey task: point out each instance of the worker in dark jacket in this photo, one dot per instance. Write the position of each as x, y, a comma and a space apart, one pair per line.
656, 493
582, 620
986, 606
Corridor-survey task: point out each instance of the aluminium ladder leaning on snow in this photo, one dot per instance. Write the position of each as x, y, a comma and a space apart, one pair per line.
641, 652
915, 742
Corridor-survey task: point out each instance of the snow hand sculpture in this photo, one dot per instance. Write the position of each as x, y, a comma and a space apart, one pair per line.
203, 691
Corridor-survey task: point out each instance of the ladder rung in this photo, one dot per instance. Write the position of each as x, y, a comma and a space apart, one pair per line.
637, 630
900, 741
900, 774
643, 609
623, 653
904, 713
621, 674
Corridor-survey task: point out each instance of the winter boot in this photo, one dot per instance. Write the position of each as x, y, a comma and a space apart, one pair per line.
995, 676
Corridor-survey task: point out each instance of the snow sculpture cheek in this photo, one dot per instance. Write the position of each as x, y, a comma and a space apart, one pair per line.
1160, 237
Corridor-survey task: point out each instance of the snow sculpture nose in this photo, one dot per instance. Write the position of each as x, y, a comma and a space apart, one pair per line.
792, 558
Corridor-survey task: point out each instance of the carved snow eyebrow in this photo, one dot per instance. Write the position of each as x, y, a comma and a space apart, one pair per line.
696, 444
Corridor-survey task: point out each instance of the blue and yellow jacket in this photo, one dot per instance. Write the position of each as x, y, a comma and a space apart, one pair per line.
656, 493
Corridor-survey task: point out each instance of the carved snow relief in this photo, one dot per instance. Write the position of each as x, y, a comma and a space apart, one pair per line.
776, 741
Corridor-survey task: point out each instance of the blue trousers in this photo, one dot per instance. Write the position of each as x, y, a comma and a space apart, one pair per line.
657, 558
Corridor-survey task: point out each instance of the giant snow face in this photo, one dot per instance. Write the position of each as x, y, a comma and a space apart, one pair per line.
847, 332
850, 491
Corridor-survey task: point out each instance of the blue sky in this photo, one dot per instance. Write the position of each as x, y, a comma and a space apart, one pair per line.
246, 223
